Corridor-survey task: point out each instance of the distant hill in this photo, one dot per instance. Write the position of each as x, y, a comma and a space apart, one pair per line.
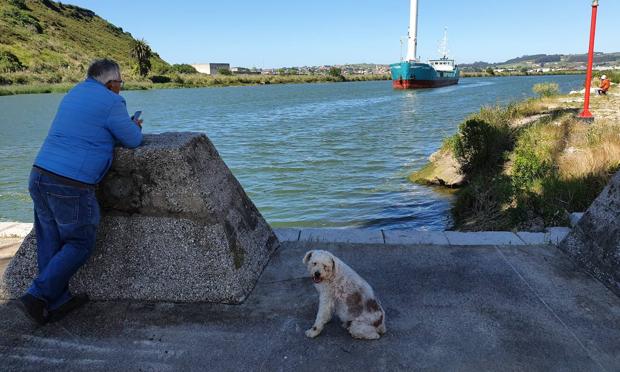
55, 42
557, 61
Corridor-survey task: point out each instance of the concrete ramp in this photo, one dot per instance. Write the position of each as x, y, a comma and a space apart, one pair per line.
448, 308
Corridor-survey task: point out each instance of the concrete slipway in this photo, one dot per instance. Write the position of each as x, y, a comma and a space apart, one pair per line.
449, 305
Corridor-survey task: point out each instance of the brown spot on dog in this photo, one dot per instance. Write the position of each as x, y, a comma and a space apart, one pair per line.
314, 328
378, 322
372, 305
354, 303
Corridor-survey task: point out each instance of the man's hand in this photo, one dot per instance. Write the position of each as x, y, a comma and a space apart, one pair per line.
138, 122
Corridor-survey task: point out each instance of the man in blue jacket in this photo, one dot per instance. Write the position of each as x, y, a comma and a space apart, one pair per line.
75, 156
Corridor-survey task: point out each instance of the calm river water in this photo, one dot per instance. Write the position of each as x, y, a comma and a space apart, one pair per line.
312, 155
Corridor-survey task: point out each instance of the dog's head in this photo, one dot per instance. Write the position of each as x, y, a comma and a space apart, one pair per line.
321, 265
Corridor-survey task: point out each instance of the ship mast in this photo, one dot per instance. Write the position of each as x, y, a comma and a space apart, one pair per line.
412, 46
443, 46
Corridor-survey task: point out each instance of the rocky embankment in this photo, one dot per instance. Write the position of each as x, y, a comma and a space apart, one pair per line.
442, 170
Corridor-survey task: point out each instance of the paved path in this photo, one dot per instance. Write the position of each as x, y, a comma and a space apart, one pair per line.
366, 236
552, 235
448, 308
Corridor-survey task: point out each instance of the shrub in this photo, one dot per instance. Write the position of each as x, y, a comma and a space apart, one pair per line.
9, 62
529, 166
51, 5
19, 18
481, 204
160, 79
21, 79
546, 89
224, 71
612, 75
51, 78
335, 72
21, 4
183, 69
480, 146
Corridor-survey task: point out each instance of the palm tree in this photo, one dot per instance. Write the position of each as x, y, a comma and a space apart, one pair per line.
142, 53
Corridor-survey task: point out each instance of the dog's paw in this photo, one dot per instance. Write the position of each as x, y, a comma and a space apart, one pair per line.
313, 332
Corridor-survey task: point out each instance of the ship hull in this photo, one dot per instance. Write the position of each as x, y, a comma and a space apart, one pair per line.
412, 75
423, 84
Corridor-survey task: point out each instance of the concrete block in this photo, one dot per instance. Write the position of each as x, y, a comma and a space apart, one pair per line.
531, 238
574, 218
14, 229
360, 236
483, 238
176, 226
416, 237
594, 243
555, 235
287, 235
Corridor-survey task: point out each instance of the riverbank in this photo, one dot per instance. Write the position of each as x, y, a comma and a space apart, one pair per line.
528, 165
203, 81
193, 81
467, 74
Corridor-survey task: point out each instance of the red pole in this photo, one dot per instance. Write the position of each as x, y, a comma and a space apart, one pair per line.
586, 103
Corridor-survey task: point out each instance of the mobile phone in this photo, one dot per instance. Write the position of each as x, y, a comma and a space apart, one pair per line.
136, 115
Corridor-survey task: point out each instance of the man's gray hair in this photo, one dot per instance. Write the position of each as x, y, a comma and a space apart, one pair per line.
104, 70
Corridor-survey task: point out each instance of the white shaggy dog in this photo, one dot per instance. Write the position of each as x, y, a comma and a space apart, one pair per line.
344, 292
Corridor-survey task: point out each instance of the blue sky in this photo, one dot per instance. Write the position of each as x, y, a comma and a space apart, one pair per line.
277, 33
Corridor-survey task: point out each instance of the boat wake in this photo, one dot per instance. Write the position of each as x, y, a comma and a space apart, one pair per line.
462, 86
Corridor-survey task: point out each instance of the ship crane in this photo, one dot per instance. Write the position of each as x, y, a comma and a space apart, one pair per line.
443, 46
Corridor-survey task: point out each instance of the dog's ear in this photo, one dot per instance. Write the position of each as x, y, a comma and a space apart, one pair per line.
307, 257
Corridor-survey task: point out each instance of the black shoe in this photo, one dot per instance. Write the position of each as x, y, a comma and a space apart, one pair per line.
34, 308
73, 304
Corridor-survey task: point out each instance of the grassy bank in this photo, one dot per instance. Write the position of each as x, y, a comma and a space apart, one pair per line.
36, 85
23, 83
520, 73
530, 164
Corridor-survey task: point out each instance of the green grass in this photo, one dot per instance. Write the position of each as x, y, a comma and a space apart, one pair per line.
8, 90
467, 74
51, 38
612, 75
546, 89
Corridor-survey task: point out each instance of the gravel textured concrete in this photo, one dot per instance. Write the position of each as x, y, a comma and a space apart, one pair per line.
447, 308
594, 243
177, 226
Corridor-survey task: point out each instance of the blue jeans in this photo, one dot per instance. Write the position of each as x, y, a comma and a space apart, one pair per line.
65, 220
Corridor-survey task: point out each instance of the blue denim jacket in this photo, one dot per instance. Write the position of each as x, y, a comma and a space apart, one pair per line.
89, 122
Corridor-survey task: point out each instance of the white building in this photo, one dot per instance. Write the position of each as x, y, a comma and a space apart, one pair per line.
211, 68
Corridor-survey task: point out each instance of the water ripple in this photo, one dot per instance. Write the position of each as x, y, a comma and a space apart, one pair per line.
314, 155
